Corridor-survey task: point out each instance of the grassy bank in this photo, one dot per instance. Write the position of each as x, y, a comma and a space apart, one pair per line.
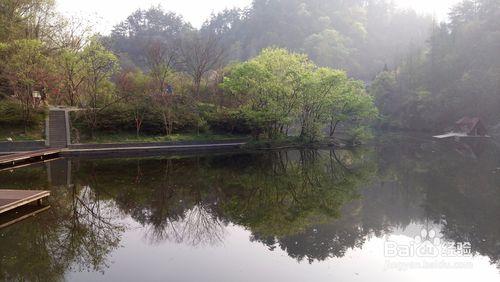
102, 138
18, 134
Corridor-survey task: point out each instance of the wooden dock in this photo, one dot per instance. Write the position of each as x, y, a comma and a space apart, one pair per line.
27, 164
12, 199
28, 157
459, 135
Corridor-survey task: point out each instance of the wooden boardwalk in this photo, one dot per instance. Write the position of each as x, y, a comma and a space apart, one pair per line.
12, 199
28, 157
458, 135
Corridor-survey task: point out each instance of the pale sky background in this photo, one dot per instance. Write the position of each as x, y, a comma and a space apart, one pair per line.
106, 13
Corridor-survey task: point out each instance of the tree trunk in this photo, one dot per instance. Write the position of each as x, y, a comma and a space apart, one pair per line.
165, 123
197, 87
138, 124
333, 127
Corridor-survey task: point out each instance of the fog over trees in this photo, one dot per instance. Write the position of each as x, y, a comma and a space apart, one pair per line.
358, 36
422, 74
456, 74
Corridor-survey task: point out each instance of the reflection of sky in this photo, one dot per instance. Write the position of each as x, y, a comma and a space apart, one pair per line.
216, 252
239, 259
413, 230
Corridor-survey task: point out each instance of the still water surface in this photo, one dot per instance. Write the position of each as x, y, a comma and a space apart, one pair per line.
402, 209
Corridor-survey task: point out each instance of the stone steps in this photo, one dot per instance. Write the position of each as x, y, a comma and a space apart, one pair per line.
57, 129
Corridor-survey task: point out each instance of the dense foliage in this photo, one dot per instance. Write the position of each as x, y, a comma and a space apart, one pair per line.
155, 74
274, 68
456, 75
278, 90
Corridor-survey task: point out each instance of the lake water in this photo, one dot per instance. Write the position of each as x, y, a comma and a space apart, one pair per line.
402, 209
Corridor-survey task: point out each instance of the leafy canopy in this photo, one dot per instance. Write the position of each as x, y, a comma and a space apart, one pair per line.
279, 89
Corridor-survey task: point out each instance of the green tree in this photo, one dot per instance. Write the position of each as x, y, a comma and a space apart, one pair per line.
27, 19
269, 88
26, 68
136, 86
354, 106
321, 92
72, 72
278, 89
99, 66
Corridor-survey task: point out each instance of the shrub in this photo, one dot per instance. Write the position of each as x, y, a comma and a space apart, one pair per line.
229, 121
11, 115
121, 118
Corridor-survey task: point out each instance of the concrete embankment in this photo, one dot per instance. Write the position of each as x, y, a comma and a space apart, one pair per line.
152, 147
124, 148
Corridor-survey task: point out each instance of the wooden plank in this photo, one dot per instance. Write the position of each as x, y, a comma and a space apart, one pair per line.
13, 158
15, 216
44, 152
11, 199
459, 135
14, 167
450, 135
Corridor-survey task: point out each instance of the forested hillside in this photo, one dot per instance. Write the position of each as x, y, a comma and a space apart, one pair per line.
156, 73
358, 36
456, 75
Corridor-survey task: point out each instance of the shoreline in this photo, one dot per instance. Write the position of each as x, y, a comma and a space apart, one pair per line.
245, 144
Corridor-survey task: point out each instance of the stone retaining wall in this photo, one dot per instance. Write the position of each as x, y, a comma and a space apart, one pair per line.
153, 144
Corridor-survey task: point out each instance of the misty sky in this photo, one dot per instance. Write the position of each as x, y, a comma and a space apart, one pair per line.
106, 13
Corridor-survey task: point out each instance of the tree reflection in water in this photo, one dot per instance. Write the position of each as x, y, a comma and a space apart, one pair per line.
77, 233
197, 226
272, 194
313, 204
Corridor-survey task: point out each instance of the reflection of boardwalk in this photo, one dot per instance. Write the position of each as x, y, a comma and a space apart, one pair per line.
20, 214
12, 199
